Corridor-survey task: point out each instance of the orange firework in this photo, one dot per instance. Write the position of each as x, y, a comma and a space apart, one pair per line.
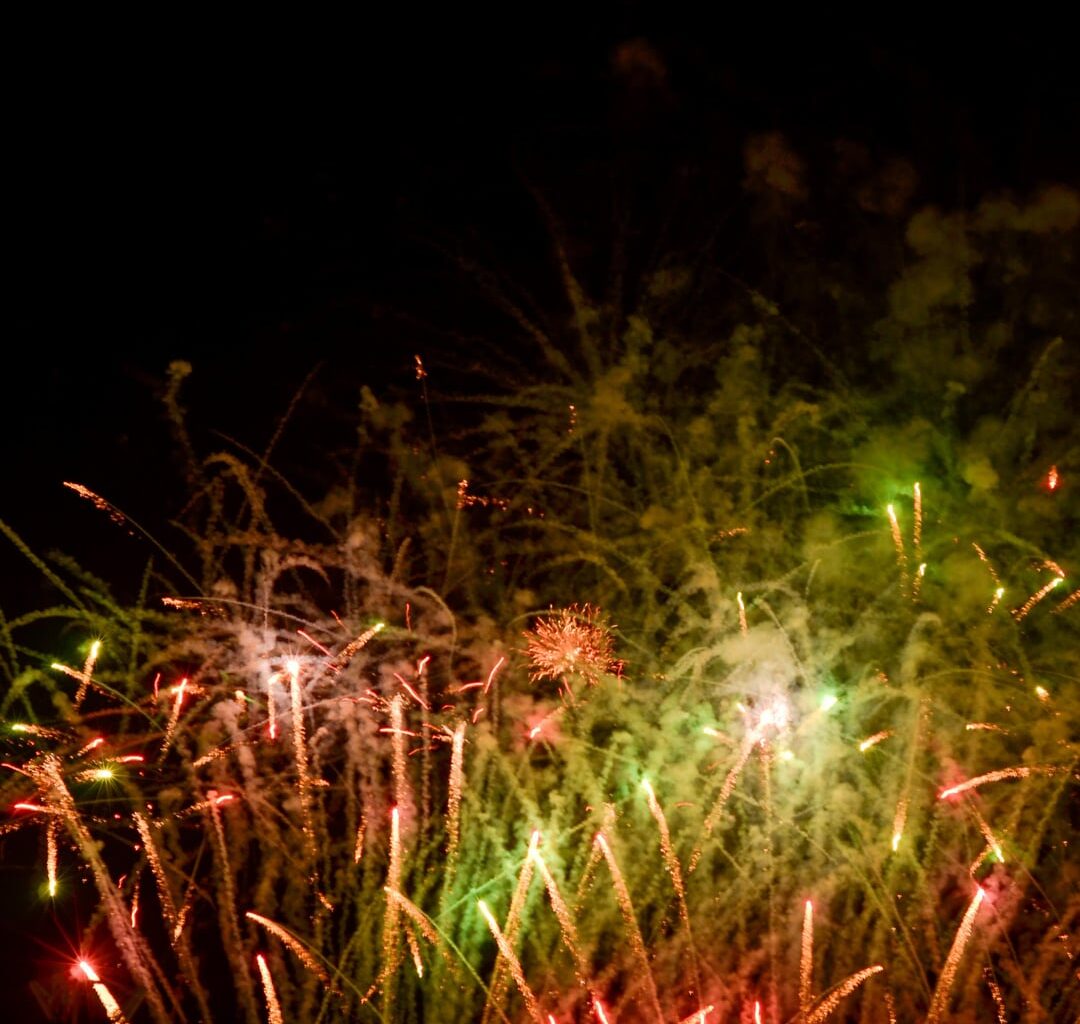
575, 641
293, 943
273, 1007
457, 781
564, 917
50, 853
806, 960
939, 1003
825, 1008
626, 908
1019, 772
898, 543
112, 1007
512, 961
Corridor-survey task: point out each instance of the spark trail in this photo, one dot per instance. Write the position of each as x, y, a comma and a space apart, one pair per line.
273, 1007
626, 908
940, 1002
112, 1007
513, 963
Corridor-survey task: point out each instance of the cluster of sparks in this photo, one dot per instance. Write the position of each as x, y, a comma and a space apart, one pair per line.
575, 643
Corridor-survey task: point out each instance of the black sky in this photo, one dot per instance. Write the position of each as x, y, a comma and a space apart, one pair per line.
252, 201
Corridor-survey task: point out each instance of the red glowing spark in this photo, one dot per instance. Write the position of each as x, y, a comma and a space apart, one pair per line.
1052, 478
31, 807
491, 675
314, 643
412, 693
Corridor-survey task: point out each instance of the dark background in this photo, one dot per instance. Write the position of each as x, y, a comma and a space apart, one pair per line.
262, 203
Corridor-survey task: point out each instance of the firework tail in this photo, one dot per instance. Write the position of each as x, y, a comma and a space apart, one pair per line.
133, 949
293, 943
173, 922
940, 1002
626, 908
499, 982
806, 960
566, 923
273, 1007
725, 794
671, 863
510, 958
831, 1000
111, 1006
227, 916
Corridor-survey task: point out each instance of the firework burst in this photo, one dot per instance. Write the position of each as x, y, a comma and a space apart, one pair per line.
573, 642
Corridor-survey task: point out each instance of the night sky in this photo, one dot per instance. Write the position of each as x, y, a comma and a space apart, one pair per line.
259, 210
265, 208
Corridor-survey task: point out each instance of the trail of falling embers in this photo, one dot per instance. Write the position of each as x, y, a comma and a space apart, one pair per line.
48, 774
513, 963
112, 1007
939, 1003
725, 794
626, 908
806, 960
832, 1000
293, 943
499, 982
303, 775
273, 1007
671, 862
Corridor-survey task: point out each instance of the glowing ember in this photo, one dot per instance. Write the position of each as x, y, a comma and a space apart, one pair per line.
515, 965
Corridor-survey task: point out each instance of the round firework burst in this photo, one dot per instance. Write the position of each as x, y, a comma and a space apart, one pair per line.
573, 641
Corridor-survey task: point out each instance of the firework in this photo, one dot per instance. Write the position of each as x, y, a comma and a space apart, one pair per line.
916, 529
940, 1001
995, 994
510, 957
112, 1007
47, 773
303, 776
1018, 772
457, 783
1022, 612
873, 741
51, 830
564, 917
717, 810
832, 999
806, 960
273, 1007
153, 857
513, 922
1069, 601
293, 943
174, 719
626, 908
898, 543
575, 641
